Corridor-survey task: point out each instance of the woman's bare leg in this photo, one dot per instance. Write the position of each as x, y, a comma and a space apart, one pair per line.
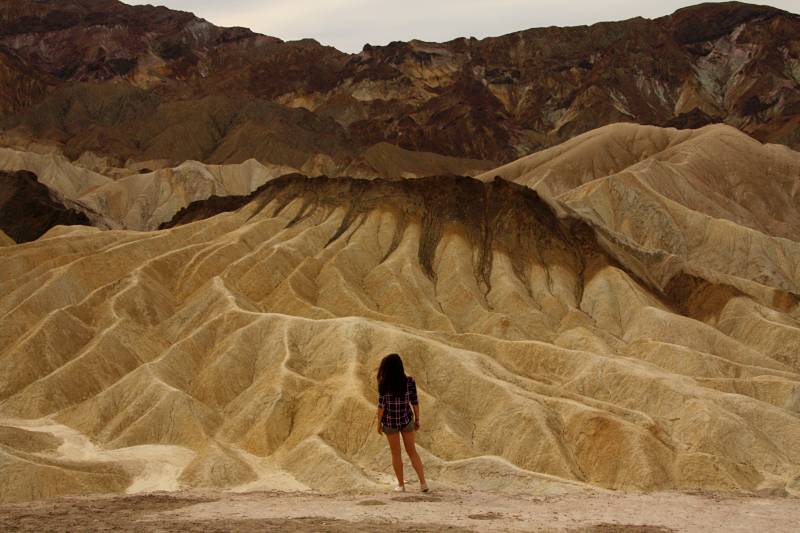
416, 462
397, 460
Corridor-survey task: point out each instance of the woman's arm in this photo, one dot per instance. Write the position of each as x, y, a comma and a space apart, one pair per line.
412, 398
380, 417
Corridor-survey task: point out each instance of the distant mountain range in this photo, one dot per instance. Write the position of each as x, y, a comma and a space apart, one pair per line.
149, 83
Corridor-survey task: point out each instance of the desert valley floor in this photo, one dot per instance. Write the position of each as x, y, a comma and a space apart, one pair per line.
447, 510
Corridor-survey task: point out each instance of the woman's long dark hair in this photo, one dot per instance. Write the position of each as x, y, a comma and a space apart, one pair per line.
391, 376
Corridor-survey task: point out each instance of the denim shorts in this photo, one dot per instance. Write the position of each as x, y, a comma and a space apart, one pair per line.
405, 429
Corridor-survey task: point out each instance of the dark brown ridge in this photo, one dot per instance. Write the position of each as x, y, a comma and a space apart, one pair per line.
498, 215
28, 208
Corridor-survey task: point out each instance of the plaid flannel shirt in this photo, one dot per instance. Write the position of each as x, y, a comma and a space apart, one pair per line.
396, 410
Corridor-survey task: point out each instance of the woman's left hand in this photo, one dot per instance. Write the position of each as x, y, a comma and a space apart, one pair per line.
380, 429
416, 425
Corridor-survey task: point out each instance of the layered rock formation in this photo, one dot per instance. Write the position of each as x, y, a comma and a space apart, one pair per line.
139, 198
682, 196
148, 83
125, 198
239, 350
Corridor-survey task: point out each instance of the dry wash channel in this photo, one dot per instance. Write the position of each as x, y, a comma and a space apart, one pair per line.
239, 350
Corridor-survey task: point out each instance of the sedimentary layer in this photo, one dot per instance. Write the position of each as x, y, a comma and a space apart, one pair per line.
146, 82
246, 345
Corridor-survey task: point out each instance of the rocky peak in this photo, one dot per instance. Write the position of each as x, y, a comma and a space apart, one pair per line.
710, 21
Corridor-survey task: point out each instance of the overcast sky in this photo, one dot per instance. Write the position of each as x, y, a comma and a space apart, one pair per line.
349, 24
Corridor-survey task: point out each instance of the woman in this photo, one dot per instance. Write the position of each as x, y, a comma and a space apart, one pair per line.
395, 392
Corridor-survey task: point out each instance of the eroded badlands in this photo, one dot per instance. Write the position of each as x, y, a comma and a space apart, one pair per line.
554, 351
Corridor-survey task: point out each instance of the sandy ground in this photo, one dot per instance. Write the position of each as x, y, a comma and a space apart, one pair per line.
437, 511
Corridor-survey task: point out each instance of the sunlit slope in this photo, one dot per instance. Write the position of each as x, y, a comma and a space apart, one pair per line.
137, 200
716, 170
249, 341
711, 201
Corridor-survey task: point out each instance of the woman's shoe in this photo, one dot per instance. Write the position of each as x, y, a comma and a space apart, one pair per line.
400, 488
423, 488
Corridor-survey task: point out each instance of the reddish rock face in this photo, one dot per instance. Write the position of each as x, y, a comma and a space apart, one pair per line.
494, 99
19, 87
